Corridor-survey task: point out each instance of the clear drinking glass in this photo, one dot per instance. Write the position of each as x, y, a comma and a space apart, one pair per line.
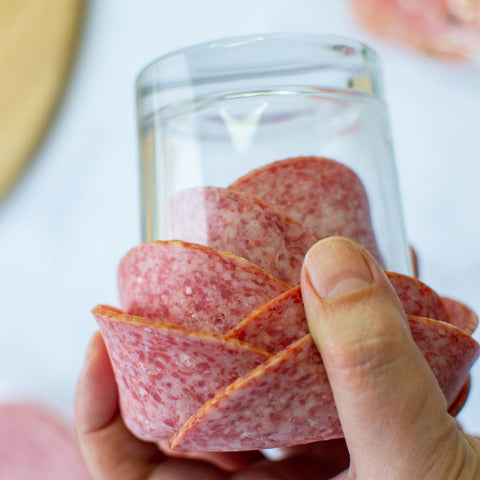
210, 113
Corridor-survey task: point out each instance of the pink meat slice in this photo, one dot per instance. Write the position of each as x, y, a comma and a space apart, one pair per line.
36, 442
293, 401
165, 372
281, 321
417, 298
293, 404
192, 285
326, 197
460, 315
241, 224
448, 28
449, 352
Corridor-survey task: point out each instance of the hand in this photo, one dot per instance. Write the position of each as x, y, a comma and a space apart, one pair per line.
393, 413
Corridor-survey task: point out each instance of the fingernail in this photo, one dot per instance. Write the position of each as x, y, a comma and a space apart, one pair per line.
336, 266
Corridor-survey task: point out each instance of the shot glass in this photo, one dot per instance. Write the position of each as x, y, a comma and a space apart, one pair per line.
217, 116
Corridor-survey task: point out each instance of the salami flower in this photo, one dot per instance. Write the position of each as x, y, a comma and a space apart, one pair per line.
211, 350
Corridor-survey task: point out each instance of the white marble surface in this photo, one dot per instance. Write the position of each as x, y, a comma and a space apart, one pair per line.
75, 212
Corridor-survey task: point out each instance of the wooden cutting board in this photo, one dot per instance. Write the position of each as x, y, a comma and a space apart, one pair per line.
38, 39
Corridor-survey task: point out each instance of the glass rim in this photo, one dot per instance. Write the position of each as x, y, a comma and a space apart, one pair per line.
242, 39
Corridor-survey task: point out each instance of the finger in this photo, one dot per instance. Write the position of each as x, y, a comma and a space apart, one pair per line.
109, 449
388, 400
298, 468
333, 452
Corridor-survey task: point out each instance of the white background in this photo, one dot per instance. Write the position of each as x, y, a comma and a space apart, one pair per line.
76, 211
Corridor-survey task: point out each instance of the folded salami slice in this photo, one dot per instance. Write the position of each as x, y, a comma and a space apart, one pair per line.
324, 196
281, 321
449, 352
461, 399
417, 298
165, 372
241, 224
192, 285
293, 401
461, 315
37, 443
287, 401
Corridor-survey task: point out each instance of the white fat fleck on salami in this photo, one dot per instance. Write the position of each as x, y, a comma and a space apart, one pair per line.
449, 352
36, 442
165, 372
241, 224
285, 401
326, 197
193, 285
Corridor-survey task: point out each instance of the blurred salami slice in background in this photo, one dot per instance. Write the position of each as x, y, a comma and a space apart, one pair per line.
36, 442
447, 28
241, 224
281, 321
293, 403
324, 196
192, 285
166, 372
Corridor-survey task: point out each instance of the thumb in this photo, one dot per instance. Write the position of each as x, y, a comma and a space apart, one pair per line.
392, 411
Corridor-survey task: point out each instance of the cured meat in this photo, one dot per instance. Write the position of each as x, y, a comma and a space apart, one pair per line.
324, 196
275, 325
212, 350
449, 352
241, 224
293, 401
293, 405
461, 399
36, 442
281, 321
448, 28
460, 315
166, 372
417, 298
192, 285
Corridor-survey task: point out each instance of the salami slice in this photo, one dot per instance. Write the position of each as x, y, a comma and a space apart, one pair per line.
460, 315
166, 372
417, 298
459, 402
293, 401
192, 285
281, 321
293, 405
449, 352
323, 195
241, 224
37, 442
275, 325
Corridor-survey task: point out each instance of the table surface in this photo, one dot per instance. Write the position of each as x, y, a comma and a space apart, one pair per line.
76, 211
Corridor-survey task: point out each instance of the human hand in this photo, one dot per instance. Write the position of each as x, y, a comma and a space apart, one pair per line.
393, 413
